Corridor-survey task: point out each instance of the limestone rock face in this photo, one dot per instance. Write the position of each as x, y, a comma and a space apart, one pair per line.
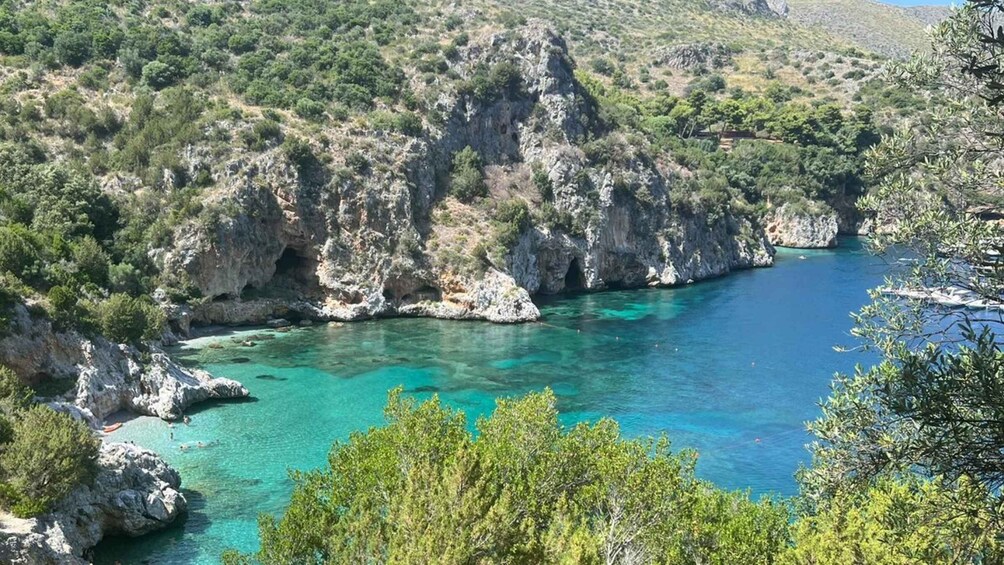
693, 55
134, 493
349, 241
789, 227
768, 8
105, 377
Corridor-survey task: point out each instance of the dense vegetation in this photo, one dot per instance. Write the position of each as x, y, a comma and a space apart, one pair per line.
527, 490
60, 241
784, 151
43, 454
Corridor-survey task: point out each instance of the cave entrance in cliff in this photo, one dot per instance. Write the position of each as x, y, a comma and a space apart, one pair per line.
290, 264
575, 280
294, 271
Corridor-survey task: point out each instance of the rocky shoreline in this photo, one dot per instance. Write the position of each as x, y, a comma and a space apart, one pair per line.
101, 378
134, 493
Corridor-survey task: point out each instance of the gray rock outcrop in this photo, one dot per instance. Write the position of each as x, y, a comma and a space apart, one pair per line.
790, 226
134, 493
763, 8
690, 56
105, 377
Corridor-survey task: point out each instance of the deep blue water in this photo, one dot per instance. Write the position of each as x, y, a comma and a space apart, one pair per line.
716, 365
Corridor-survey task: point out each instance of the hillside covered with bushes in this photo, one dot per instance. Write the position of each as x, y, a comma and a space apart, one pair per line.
146, 142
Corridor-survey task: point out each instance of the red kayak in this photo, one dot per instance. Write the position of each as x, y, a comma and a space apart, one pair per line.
112, 428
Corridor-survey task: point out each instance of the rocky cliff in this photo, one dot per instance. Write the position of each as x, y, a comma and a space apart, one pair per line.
381, 235
795, 226
101, 377
134, 493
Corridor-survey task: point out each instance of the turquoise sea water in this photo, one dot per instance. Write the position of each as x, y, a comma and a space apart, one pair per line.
715, 365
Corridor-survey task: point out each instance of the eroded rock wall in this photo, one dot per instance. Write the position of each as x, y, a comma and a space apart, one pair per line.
105, 377
355, 239
790, 226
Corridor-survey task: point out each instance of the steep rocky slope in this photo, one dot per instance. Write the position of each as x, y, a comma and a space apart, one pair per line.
359, 243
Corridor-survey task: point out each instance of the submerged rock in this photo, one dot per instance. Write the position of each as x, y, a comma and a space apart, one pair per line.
134, 493
791, 226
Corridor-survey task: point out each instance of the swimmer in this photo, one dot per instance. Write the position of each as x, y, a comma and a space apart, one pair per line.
201, 444
183, 447
757, 440
187, 420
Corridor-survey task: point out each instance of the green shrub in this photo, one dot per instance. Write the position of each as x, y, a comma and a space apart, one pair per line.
309, 109
502, 80
299, 153
407, 123
14, 395
262, 133
543, 183
158, 75
49, 456
91, 261
63, 304
512, 218
125, 319
125, 277
467, 180
522, 489
19, 252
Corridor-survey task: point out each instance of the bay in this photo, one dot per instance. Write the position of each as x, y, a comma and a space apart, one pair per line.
732, 368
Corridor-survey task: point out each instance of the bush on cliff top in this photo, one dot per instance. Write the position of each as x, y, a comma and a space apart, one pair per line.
43, 454
125, 319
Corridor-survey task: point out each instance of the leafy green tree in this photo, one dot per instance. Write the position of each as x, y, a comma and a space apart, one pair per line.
467, 180
125, 319
50, 454
908, 520
934, 406
524, 490
14, 395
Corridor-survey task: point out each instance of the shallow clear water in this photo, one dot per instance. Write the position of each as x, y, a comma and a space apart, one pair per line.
715, 365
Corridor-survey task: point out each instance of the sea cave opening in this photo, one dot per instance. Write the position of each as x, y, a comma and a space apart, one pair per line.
574, 278
295, 274
291, 265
